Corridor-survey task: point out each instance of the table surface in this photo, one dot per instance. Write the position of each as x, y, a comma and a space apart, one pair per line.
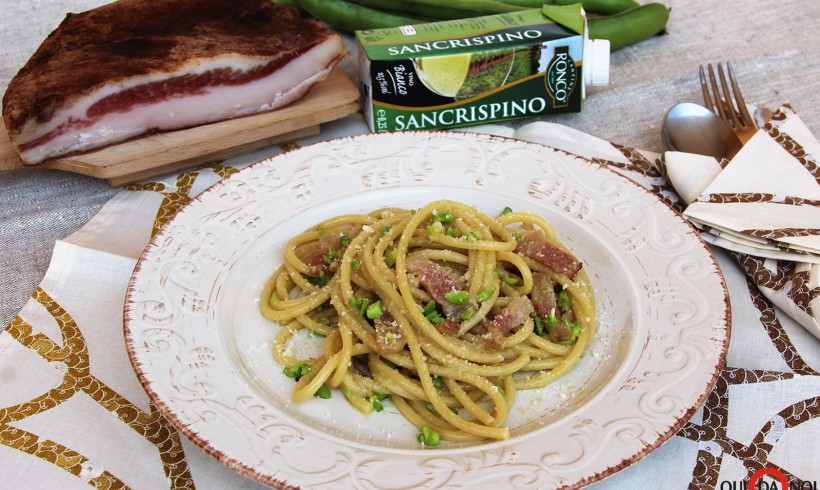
772, 46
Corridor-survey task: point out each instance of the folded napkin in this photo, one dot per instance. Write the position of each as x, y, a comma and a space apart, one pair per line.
764, 206
766, 200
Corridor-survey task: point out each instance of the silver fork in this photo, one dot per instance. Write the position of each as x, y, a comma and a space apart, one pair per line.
728, 105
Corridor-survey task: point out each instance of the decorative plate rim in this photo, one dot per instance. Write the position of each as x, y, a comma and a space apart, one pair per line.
722, 320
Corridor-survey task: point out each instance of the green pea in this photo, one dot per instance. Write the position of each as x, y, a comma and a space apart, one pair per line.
457, 297
296, 371
564, 301
376, 401
485, 294
510, 280
374, 310
323, 392
444, 217
390, 257
431, 313
428, 437
467, 314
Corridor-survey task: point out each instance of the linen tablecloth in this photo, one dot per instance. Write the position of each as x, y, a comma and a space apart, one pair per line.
72, 413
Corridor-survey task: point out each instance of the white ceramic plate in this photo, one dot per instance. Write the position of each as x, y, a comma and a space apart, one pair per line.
202, 349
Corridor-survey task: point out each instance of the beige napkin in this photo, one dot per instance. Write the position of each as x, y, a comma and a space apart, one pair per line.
764, 205
766, 199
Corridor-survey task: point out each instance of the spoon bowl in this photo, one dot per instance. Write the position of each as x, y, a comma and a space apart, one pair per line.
693, 128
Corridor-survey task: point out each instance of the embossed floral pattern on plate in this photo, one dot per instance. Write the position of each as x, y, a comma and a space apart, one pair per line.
201, 348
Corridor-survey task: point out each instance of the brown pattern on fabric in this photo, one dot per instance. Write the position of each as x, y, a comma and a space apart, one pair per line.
223, 171
782, 233
712, 432
791, 417
788, 143
785, 275
797, 414
756, 197
702, 226
755, 267
801, 292
660, 163
289, 146
73, 354
656, 180
172, 201
56, 454
637, 162
778, 336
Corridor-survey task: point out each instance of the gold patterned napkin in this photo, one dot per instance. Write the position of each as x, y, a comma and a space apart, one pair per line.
764, 204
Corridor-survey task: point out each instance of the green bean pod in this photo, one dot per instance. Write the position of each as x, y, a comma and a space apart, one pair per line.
434, 9
630, 26
349, 17
600, 7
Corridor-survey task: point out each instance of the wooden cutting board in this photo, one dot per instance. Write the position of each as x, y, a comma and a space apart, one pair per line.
158, 154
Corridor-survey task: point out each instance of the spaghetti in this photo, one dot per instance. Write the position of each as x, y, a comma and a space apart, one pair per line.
445, 310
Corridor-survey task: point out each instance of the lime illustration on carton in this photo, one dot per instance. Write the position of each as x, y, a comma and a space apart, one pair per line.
478, 70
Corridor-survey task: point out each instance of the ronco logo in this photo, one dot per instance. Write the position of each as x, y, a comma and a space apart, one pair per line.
561, 77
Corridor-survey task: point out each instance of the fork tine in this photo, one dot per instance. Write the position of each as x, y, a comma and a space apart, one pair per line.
743, 111
719, 103
707, 98
723, 102
731, 114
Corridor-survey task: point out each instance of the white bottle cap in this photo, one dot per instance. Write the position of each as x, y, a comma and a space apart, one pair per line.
596, 62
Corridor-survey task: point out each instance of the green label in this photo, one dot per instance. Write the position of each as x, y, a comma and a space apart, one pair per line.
461, 36
562, 77
527, 98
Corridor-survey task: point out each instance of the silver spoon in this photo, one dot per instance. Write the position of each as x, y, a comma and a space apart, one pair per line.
695, 129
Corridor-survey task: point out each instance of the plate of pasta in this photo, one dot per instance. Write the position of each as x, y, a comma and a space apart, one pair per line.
407, 310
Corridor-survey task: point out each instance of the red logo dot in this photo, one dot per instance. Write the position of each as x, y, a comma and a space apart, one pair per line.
776, 474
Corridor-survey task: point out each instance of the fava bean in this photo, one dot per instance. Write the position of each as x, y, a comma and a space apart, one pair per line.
435, 9
600, 7
347, 16
630, 26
